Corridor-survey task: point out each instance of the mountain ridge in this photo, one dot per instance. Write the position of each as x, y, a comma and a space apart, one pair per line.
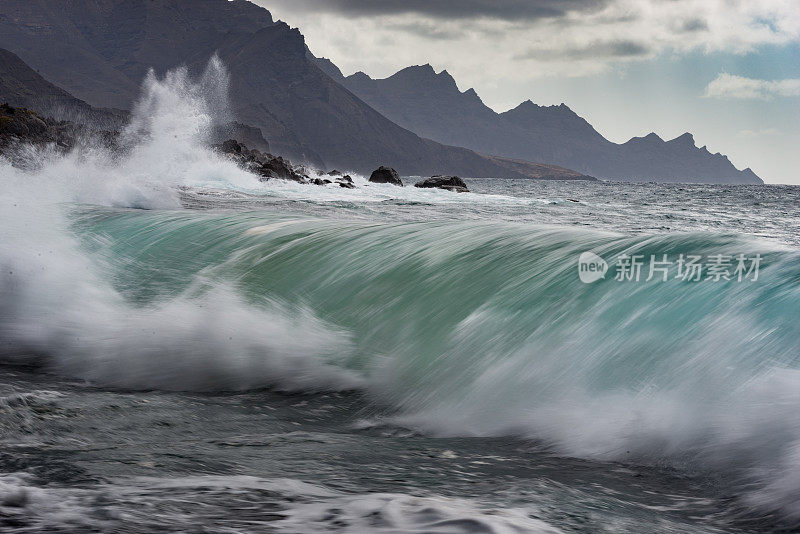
434, 107
21, 86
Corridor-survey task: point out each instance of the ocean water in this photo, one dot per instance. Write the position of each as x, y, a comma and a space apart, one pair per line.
186, 349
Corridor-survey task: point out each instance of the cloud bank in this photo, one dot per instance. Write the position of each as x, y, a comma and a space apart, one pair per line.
461, 9
531, 38
730, 86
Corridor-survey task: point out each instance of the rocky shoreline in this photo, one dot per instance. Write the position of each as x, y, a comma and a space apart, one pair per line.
21, 126
269, 167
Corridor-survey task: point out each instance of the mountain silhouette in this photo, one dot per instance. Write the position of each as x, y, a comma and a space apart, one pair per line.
431, 104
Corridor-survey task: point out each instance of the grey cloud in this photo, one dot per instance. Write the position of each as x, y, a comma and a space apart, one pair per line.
609, 49
694, 25
426, 30
510, 10
625, 49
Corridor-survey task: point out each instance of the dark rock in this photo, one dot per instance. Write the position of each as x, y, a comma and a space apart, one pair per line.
281, 168
385, 175
19, 126
334, 172
450, 183
231, 146
243, 133
345, 181
260, 157
266, 166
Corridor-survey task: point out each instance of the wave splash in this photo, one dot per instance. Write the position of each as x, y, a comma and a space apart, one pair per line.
57, 300
463, 328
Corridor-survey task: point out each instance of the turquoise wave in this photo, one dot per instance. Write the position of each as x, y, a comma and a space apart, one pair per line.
469, 291
449, 327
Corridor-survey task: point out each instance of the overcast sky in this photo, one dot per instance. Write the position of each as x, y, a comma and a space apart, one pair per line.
726, 70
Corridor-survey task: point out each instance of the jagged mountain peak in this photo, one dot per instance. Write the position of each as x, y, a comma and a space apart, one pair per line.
686, 139
651, 138
531, 105
751, 176
471, 94
422, 71
425, 77
292, 43
529, 113
526, 105
327, 66
360, 76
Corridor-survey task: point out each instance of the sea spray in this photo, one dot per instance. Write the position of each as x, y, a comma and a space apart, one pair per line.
58, 300
176, 114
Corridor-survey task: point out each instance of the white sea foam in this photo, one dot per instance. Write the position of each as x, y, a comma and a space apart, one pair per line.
57, 300
289, 505
312, 508
27, 507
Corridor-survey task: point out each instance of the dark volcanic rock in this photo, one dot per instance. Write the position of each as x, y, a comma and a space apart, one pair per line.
231, 146
248, 135
385, 175
20, 126
345, 181
281, 168
450, 183
265, 165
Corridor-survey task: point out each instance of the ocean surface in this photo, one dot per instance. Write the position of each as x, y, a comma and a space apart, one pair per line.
186, 349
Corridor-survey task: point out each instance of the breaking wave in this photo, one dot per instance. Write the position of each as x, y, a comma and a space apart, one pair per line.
462, 328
